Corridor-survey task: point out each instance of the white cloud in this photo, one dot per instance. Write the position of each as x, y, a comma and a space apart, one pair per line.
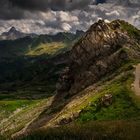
58, 21
66, 17
113, 13
66, 26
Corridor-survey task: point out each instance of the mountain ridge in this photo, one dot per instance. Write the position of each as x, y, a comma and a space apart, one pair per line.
102, 42
15, 34
104, 56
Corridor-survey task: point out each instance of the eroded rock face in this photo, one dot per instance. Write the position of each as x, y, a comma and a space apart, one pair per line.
98, 53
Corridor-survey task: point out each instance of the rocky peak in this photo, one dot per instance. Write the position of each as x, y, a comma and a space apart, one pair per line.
12, 29
12, 34
97, 54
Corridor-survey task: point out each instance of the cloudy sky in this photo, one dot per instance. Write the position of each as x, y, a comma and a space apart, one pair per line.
52, 16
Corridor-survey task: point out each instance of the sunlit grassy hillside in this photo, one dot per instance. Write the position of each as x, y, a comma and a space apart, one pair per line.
48, 48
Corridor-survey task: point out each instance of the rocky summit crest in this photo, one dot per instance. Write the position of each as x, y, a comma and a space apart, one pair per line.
103, 49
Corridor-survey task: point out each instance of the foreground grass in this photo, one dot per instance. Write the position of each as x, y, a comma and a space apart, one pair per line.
104, 130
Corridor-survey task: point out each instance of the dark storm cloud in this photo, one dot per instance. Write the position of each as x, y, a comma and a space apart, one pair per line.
30, 4
50, 4
52, 16
7, 11
15, 9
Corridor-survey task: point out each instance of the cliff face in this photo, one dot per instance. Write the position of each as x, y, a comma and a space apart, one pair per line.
103, 49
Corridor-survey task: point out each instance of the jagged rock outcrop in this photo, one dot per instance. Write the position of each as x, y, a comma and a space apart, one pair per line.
102, 50
106, 100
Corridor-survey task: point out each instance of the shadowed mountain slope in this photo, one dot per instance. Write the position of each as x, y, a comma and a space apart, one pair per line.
30, 67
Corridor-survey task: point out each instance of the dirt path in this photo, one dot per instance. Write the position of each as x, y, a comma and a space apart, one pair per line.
137, 80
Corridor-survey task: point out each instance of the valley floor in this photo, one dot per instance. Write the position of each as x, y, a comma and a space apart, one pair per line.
16, 115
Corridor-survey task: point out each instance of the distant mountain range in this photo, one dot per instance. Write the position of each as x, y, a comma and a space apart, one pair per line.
13, 34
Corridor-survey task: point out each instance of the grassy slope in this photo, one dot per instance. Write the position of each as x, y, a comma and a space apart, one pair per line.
124, 104
125, 111
7, 107
19, 114
132, 31
48, 48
